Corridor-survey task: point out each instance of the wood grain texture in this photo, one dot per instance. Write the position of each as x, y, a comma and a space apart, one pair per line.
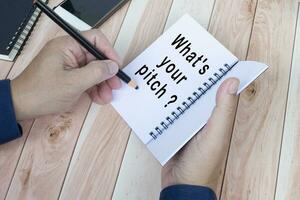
151, 17
124, 36
129, 27
140, 173
138, 163
102, 151
228, 19
10, 153
89, 144
78, 155
83, 146
200, 11
46, 155
9, 156
288, 184
231, 24
254, 152
151, 25
49, 147
121, 46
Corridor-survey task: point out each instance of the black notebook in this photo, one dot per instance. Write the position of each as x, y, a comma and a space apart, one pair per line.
17, 19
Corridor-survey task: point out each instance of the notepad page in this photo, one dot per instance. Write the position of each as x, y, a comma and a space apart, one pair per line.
161, 90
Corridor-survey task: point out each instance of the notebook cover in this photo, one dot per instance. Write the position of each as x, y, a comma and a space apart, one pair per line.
12, 14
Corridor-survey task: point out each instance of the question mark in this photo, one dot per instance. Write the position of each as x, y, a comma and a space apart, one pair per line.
173, 99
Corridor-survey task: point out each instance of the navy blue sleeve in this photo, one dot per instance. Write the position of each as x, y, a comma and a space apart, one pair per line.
187, 192
9, 128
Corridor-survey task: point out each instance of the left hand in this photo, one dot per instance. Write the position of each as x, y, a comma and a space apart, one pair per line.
61, 72
201, 161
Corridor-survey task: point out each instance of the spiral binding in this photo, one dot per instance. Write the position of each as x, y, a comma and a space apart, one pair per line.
185, 105
14, 36
16, 44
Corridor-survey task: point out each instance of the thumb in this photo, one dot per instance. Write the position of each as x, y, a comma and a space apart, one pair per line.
96, 72
221, 121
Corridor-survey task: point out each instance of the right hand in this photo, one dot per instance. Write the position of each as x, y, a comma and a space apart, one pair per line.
61, 72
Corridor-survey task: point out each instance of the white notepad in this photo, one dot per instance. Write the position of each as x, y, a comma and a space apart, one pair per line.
178, 78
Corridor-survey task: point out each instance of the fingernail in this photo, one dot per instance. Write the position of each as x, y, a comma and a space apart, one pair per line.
234, 86
113, 68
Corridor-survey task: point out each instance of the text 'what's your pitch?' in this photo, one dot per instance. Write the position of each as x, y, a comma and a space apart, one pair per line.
151, 74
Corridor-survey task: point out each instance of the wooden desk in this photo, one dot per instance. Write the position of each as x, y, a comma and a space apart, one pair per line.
90, 152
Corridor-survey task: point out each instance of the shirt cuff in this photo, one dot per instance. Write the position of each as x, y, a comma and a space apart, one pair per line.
187, 192
9, 128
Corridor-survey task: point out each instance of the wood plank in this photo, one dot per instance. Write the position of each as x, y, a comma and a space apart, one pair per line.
228, 19
140, 173
151, 24
46, 155
10, 153
9, 156
231, 24
200, 11
288, 184
254, 152
143, 23
48, 150
89, 177
129, 27
122, 47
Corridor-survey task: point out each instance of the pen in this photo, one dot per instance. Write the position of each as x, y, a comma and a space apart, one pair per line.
81, 40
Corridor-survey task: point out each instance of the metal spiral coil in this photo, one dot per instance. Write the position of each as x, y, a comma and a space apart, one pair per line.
185, 105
